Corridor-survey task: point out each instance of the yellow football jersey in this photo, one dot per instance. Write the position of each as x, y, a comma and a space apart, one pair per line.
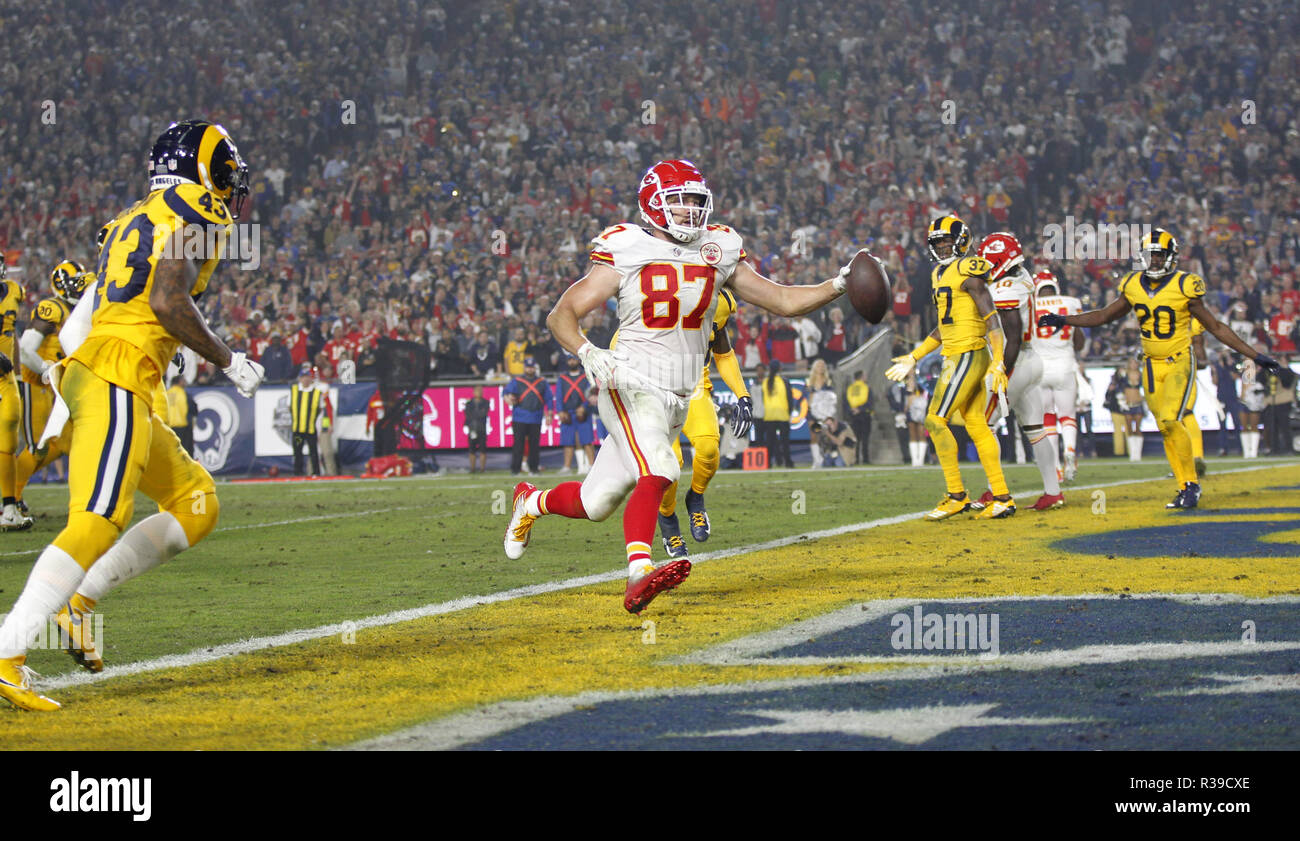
55, 311
1162, 313
127, 345
961, 328
722, 315
11, 298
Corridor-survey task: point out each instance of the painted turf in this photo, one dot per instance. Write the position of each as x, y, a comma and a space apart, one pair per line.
324, 692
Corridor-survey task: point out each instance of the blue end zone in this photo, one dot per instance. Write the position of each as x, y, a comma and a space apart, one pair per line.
1192, 536
1124, 703
1127, 705
1043, 625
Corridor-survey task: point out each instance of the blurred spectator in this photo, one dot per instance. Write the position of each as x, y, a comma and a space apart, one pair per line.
836, 442
532, 401
777, 401
858, 398
277, 360
306, 410
477, 409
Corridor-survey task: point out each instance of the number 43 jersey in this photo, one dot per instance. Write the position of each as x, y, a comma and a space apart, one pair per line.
1161, 308
127, 345
667, 295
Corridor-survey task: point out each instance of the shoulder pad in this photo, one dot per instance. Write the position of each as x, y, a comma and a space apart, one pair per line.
51, 310
973, 266
1192, 285
196, 205
604, 244
722, 228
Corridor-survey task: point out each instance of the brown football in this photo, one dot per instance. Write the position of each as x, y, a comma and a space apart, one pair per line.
867, 284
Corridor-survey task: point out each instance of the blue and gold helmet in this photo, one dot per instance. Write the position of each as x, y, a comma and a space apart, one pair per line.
200, 152
948, 227
68, 280
1159, 241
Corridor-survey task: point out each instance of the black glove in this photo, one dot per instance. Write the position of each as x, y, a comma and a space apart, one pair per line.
6, 365
1051, 319
744, 417
1268, 363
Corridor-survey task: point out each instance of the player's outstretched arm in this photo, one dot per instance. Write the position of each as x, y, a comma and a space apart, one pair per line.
779, 299
1224, 333
171, 303
1117, 308
596, 287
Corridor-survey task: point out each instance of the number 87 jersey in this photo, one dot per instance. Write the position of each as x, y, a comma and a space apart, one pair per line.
667, 295
181, 221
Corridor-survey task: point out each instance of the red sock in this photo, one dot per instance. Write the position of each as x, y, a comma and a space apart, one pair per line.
564, 499
640, 517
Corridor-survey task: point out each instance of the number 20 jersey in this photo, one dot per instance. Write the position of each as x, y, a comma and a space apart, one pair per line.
1162, 313
127, 345
667, 295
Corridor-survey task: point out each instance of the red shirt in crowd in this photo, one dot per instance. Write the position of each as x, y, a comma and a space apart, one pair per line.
1280, 328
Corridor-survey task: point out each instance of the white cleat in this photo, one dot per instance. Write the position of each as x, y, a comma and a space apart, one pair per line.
13, 520
519, 531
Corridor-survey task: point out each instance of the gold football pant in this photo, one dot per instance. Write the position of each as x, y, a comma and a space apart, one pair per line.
11, 415
1170, 388
118, 446
701, 429
38, 400
959, 392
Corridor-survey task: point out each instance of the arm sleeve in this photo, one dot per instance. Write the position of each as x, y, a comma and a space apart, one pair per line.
77, 326
28, 346
729, 369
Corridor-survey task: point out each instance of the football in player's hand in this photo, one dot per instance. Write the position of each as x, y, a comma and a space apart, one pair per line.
867, 285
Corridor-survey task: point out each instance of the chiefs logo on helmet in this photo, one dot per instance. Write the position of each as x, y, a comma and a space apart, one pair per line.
1003, 251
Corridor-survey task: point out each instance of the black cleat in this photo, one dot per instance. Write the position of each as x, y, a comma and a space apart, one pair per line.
671, 532
699, 518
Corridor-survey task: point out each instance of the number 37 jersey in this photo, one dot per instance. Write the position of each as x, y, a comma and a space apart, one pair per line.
127, 345
667, 295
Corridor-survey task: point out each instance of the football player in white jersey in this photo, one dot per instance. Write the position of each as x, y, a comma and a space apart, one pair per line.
1057, 349
666, 279
1012, 289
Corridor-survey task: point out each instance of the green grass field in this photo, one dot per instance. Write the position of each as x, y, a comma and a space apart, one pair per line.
297, 555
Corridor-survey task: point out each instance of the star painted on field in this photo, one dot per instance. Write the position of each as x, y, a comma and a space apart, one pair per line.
910, 726
1246, 684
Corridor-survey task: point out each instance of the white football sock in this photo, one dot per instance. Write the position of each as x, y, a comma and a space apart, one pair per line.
1020, 446
1135, 448
1069, 437
816, 455
1045, 459
53, 580
149, 543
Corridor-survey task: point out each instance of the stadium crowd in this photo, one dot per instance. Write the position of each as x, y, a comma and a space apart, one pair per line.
433, 171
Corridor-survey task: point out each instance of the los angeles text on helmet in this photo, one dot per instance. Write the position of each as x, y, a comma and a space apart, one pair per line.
240, 243
1085, 241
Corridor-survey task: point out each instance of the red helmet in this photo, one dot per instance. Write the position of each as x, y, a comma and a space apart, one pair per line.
1046, 278
662, 190
1003, 251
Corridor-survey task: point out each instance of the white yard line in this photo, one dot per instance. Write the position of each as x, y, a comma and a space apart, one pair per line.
206, 655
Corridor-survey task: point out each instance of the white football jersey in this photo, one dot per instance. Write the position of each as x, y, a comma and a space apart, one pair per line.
1015, 291
667, 295
1057, 344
